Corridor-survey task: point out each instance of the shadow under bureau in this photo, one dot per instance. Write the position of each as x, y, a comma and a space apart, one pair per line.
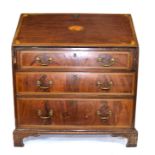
75, 74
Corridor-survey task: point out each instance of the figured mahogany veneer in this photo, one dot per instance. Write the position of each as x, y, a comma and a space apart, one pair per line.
60, 82
75, 74
74, 59
75, 112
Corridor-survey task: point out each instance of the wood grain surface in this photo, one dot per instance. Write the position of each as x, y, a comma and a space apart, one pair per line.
54, 30
75, 112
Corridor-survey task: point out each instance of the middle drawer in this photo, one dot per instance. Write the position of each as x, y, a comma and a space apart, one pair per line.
69, 82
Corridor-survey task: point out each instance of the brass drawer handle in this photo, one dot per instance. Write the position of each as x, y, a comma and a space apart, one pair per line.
106, 62
99, 113
44, 86
104, 118
42, 63
104, 85
50, 114
107, 115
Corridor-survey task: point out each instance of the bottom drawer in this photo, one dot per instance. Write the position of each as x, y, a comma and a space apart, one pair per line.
80, 112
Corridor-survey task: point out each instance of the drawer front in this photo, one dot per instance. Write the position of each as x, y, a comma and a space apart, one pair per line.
58, 82
51, 112
74, 59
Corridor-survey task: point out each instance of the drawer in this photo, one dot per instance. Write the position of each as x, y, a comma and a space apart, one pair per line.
55, 112
70, 82
75, 59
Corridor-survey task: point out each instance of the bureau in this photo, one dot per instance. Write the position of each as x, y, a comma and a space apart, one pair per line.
75, 74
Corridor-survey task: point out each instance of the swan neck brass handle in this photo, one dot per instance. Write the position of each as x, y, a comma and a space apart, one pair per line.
106, 62
105, 116
99, 113
104, 85
49, 115
44, 86
43, 63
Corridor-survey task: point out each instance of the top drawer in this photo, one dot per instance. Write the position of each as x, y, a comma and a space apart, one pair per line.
79, 60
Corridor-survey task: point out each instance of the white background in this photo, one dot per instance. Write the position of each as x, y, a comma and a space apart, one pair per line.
143, 15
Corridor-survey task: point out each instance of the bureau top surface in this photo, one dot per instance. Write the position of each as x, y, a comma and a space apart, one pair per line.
75, 30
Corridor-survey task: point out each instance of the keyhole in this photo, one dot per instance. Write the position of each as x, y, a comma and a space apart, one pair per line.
75, 76
74, 55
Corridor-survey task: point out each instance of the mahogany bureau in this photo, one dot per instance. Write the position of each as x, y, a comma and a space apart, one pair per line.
75, 74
